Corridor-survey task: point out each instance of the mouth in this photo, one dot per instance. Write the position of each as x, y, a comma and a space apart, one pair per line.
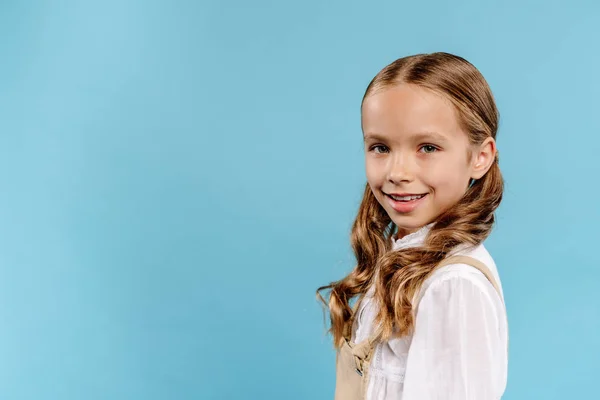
405, 197
405, 203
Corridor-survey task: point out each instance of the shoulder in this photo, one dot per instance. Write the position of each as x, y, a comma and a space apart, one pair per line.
458, 277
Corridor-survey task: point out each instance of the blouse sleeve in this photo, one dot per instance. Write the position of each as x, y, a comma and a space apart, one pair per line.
457, 352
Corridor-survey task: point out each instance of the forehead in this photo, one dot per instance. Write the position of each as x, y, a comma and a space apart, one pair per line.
406, 110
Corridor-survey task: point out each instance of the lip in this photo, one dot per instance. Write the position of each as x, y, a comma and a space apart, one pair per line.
405, 206
403, 194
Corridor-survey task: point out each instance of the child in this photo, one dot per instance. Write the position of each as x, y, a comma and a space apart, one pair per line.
429, 320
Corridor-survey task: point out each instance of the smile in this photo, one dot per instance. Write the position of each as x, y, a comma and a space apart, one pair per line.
405, 204
406, 198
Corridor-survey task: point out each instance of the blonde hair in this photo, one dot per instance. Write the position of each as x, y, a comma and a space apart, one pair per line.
469, 221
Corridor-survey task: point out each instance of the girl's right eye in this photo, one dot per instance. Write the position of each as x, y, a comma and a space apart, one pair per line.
379, 146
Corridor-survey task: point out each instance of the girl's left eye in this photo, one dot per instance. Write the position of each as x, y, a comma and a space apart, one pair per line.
428, 148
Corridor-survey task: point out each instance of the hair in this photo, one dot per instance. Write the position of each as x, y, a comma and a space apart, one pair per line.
401, 273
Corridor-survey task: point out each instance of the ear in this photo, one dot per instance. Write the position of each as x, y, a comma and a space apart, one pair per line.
484, 156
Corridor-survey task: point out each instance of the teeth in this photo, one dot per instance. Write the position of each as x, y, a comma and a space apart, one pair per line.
406, 198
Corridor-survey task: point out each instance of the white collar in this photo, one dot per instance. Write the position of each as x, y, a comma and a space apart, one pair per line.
412, 239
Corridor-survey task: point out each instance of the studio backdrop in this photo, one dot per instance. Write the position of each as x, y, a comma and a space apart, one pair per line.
178, 177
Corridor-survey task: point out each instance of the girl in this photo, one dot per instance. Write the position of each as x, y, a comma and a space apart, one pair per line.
429, 320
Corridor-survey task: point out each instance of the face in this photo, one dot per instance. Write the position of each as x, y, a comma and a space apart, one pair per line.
417, 155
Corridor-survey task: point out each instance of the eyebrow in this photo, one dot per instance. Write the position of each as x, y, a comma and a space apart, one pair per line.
420, 136
433, 136
373, 136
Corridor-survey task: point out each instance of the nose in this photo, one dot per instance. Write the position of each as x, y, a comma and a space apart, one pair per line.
400, 168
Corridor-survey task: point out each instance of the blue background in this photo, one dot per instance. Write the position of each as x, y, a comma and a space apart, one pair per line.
177, 178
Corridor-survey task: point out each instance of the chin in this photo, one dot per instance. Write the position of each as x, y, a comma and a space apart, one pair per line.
409, 224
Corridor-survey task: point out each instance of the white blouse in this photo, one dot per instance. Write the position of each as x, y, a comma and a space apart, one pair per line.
459, 347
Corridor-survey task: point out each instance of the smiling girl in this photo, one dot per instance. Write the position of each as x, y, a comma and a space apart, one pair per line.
422, 315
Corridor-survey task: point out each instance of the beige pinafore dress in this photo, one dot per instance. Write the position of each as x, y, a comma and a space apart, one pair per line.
353, 359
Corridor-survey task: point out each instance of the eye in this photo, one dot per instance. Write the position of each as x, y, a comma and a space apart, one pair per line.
428, 148
379, 146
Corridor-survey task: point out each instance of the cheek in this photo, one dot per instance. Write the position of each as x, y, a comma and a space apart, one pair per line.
446, 179
372, 173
